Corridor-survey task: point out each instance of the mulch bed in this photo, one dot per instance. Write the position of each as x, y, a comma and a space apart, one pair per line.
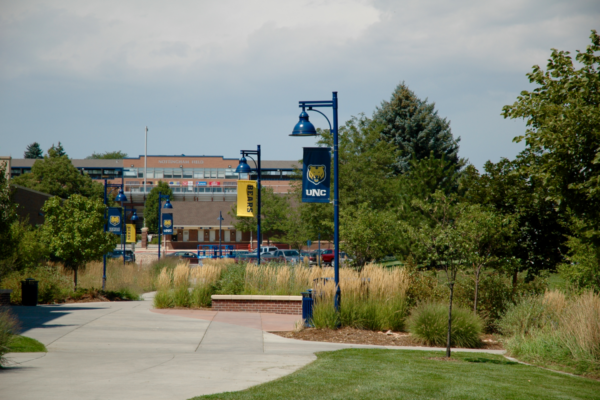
360, 336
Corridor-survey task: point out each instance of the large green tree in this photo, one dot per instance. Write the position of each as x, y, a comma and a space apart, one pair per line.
56, 175
414, 127
151, 205
57, 151
33, 150
73, 231
563, 131
8, 215
107, 155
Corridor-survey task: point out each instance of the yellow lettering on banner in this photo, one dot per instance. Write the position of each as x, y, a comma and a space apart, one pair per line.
246, 199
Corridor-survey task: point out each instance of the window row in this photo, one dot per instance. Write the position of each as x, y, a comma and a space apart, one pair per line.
223, 173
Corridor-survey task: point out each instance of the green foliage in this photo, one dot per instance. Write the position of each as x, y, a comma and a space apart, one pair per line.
57, 176
28, 250
274, 211
8, 328
52, 285
57, 151
181, 297
563, 130
324, 315
232, 280
163, 299
413, 126
8, 215
33, 150
429, 323
583, 268
24, 344
107, 155
73, 231
151, 205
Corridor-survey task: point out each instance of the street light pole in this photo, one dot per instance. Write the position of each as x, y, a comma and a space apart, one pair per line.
167, 205
220, 233
122, 198
305, 128
244, 168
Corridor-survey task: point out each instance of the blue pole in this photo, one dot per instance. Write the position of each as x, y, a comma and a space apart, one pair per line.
159, 222
258, 236
336, 211
319, 253
220, 234
104, 256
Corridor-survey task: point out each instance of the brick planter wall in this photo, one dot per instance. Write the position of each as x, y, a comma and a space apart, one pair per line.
5, 297
291, 305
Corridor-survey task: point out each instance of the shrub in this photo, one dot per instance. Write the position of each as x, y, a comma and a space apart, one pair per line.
8, 327
233, 279
52, 285
428, 322
162, 299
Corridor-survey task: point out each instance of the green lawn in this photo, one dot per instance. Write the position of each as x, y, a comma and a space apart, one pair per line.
24, 344
394, 374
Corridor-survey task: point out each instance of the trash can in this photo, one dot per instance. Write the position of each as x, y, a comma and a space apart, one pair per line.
307, 308
29, 292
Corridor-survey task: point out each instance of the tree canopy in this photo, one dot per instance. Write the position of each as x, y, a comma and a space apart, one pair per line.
56, 175
73, 231
107, 155
33, 150
57, 151
414, 127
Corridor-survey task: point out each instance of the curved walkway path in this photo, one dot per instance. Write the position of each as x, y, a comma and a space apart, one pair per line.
125, 350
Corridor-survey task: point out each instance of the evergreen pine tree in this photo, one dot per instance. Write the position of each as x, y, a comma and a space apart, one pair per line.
414, 127
33, 151
56, 151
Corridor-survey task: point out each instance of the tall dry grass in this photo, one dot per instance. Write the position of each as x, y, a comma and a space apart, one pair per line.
118, 276
556, 330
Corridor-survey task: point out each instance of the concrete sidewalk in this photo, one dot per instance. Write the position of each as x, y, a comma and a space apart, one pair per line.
123, 350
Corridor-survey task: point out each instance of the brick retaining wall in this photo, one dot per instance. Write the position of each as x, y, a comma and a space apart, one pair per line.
291, 305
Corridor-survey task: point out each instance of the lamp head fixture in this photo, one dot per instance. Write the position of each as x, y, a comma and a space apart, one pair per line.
243, 167
168, 204
121, 196
304, 127
134, 217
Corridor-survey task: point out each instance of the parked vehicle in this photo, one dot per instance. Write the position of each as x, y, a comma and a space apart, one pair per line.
129, 255
291, 256
313, 257
267, 249
327, 256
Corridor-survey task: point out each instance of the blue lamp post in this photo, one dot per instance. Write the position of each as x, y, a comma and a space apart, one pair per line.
168, 205
134, 219
244, 168
305, 128
220, 233
120, 198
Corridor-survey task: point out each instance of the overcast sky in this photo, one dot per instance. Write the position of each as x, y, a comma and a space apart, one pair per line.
215, 77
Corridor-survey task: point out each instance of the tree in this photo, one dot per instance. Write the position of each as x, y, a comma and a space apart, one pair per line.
413, 126
563, 131
57, 151
57, 176
107, 155
274, 212
293, 231
439, 243
151, 205
73, 231
539, 228
33, 151
8, 215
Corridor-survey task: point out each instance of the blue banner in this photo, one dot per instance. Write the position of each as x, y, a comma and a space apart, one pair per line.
167, 224
114, 220
316, 175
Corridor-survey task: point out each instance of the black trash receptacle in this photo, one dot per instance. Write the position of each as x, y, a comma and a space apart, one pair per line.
29, 292
307, 308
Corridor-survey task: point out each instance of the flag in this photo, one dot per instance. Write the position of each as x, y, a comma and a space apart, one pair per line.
316, 175
247, 195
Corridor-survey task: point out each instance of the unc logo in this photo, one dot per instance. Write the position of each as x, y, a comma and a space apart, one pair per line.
168, 223
316, 174
115, 220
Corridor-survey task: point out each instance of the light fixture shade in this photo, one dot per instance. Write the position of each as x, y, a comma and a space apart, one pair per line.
243, 167
134, 217
121, 196
168, 204
304, 126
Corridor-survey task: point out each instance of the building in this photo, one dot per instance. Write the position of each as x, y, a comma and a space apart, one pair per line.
195, 180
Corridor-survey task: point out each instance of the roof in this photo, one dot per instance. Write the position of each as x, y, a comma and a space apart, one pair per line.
279, 164
201, 213
94, 163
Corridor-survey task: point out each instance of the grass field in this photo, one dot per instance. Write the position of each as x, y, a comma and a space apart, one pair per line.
24, 344
392, 374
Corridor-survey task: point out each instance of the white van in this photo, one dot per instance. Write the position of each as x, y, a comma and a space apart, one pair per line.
268, 249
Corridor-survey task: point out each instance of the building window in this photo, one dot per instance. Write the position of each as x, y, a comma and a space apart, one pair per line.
130, 173
159, 173
188, 173
227, 236
217, 190
221, 173
213, 173
238, 236
230, 174
230, 190
150, 172
140, 172
177, 173
199, 173
168, 173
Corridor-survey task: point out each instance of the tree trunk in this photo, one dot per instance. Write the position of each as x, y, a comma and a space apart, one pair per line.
75, 277
449, 338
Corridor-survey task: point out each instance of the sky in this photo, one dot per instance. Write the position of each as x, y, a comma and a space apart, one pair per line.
216, 77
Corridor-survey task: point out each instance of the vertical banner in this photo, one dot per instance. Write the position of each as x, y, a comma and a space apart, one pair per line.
247, 202
114, 220
316, 173
167, 224
130, 238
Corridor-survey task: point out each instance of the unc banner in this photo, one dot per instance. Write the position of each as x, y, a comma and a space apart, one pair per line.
114, 220
167, 224
316, 174
247, 198
130, 236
